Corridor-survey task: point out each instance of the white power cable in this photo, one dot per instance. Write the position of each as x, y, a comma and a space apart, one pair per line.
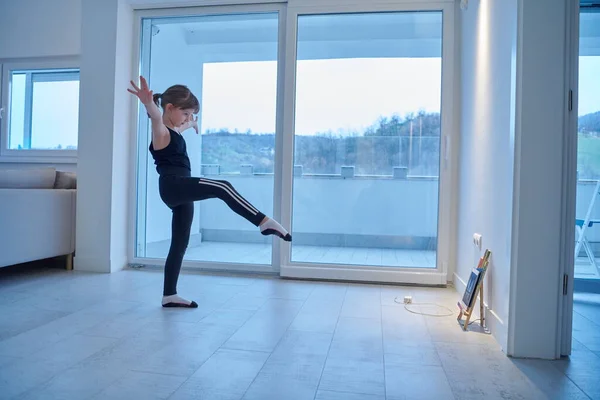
424, 304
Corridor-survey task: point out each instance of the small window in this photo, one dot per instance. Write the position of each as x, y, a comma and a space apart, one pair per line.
43, 109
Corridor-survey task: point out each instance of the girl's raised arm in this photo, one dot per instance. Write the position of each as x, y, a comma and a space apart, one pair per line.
160, 133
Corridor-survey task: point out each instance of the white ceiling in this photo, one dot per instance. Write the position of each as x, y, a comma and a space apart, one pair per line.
394, 34
222, 37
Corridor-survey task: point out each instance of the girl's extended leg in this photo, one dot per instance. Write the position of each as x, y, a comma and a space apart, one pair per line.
186, 189
181, 224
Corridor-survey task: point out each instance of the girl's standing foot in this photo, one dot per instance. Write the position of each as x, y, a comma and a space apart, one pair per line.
176, 301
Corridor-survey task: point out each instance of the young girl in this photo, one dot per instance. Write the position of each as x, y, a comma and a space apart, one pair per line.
178, 190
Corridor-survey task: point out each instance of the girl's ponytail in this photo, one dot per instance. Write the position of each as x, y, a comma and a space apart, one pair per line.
156, 97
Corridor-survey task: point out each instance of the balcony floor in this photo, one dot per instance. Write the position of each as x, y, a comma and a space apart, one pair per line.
585, 270
252, 253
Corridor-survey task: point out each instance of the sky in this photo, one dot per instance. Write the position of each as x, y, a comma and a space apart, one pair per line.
336, 94
589, 84
55, 112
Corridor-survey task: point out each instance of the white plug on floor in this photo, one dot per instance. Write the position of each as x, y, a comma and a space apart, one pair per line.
407, 299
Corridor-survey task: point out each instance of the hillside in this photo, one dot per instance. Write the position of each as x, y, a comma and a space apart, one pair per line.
384, 145
590, 123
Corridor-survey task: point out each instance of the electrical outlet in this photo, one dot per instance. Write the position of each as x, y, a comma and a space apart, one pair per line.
477, 240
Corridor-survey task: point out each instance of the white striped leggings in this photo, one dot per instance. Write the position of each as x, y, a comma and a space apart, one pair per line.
179, 193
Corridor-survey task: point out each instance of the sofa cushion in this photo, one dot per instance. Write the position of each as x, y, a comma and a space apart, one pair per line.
65, 180
28, 178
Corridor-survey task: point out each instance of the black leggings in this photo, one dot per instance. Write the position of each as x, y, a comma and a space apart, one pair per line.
179, 194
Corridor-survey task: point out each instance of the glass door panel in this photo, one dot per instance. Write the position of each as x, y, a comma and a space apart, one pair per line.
367, 139
229, 61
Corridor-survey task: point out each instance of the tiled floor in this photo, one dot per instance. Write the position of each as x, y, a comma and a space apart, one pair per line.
253, 253
72, 335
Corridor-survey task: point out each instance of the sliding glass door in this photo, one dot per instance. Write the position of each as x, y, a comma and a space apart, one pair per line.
367, 139
334, 120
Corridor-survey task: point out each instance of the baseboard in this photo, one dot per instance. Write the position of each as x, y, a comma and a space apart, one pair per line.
493, 322
91, 264
376, 275
459, 284
118, 264
98, 264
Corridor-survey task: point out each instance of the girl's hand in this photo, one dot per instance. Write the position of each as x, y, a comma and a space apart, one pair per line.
194, 124
143, 93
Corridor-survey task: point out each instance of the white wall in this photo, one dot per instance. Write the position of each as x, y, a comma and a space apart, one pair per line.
121, 189
40, 28
105, 122
486, 152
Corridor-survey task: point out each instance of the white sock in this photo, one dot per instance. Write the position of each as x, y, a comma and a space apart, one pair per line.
176, 301
272, 227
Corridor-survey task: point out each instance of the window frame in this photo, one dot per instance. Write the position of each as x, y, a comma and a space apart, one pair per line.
69, 65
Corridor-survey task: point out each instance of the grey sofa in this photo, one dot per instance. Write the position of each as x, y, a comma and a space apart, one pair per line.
37, 215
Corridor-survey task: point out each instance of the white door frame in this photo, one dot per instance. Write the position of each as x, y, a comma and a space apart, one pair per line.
447, 180
569, 182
